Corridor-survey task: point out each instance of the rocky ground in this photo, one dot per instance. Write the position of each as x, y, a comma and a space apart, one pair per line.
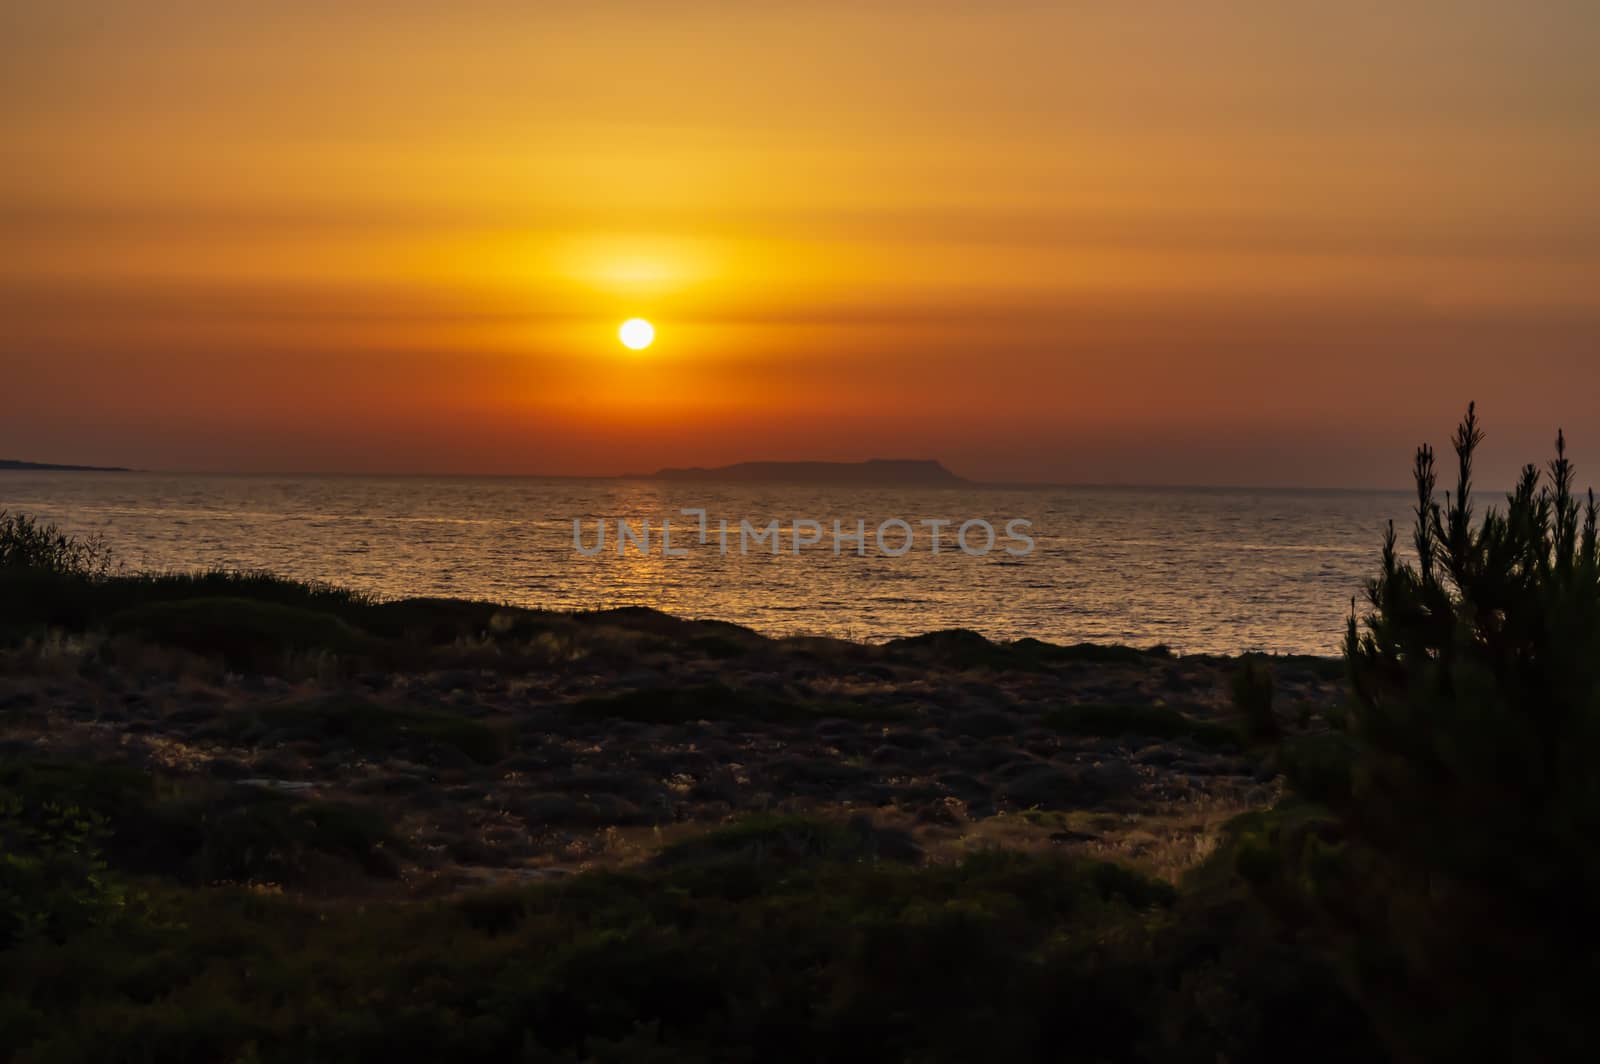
604, 740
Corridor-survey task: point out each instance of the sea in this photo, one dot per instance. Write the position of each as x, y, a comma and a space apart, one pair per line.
1199, 570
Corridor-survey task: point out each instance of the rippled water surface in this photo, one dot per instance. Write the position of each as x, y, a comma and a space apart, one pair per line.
1214, 570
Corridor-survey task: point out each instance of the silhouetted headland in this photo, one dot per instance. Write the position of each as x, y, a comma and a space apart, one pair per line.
884, 472
12, 463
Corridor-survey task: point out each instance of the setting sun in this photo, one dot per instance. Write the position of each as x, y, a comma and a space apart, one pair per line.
637, 334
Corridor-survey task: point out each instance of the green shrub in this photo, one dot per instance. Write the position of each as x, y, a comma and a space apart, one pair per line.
54, 879
59, 871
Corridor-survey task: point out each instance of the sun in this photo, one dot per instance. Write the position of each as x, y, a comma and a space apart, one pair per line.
637, 334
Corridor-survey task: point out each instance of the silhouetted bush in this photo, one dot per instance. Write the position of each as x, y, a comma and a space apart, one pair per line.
27, 543
1462, 874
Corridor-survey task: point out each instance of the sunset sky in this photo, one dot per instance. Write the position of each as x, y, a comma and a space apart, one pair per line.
1073, 242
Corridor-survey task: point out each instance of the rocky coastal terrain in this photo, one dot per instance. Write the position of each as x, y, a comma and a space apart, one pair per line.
596, 740
246, 819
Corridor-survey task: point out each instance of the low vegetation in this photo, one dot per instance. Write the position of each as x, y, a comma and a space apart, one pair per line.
773, 939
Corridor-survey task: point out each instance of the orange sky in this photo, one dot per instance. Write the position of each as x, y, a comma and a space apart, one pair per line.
1040, 241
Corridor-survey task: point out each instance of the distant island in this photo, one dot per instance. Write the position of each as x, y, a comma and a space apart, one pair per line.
919, 472
12, 463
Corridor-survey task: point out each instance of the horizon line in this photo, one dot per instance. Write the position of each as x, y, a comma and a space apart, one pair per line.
1017, 485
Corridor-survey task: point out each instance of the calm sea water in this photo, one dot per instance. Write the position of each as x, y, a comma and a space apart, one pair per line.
1201, 570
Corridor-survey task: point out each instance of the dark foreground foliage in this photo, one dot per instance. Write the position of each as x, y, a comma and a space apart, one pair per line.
1455, 862
30, 545
775, 939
